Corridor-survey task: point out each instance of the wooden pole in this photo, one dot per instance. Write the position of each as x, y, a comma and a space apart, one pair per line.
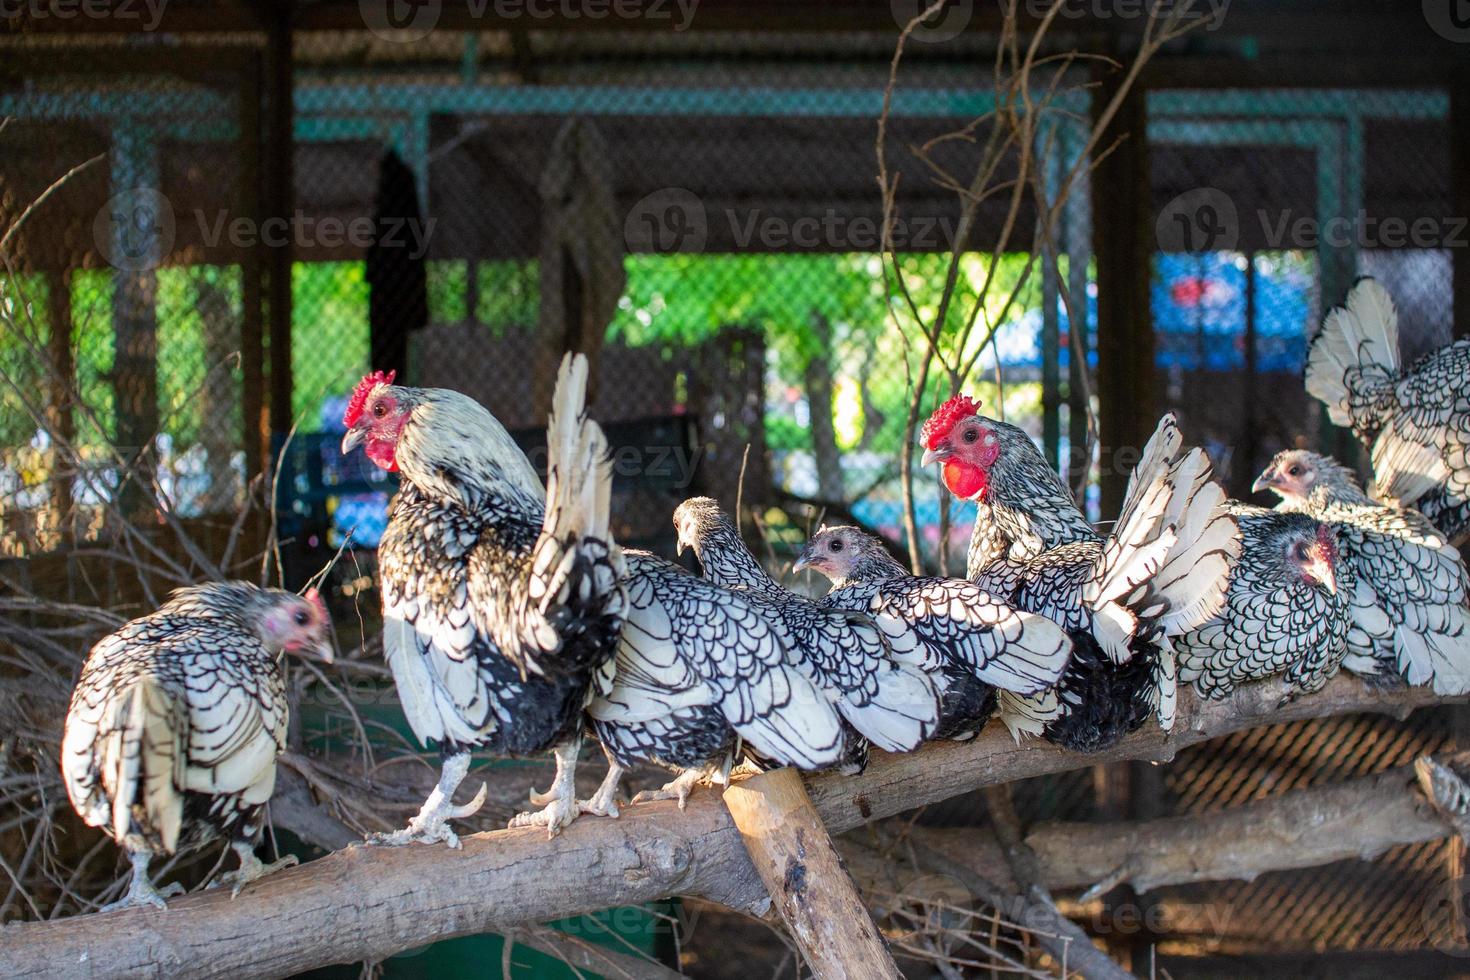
793, 855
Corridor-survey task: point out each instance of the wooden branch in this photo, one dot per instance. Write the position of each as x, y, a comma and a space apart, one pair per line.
1357, 819
808, 885
369, 903
1067, 942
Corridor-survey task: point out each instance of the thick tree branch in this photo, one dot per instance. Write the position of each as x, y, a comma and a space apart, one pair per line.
1303, 828
369, 903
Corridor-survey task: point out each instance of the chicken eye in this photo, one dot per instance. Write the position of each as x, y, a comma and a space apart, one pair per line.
971, 435
1295, 470
379, 410
301, 617
836, 546
1300, 552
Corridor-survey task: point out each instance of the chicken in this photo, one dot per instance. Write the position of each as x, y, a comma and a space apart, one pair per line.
1162, 572
972, 643
883, 694
699, 674
176, 722
1286, 610
1409, 614
502, 601
1415, 420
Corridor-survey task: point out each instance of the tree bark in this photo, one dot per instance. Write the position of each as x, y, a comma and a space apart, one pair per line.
369, 902
1304, 828
808, 885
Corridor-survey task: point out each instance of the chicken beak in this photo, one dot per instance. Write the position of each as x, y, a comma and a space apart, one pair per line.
1321, 569
937, 455
805, 560
1265, 481
325, 652
351, 439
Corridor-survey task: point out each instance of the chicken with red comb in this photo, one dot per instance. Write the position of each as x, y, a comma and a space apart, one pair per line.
1162, 571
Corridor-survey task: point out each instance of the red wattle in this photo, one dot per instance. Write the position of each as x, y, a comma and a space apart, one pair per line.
384, 454
963, 480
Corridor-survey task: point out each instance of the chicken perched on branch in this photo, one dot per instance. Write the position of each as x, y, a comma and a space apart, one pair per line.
883, 693
502, 601
176, 722
1286, 611
700, 671
973, 644
1414, 419
1163, 570
1408, 603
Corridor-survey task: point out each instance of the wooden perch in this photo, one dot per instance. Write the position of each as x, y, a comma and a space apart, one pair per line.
1305, 828
807, 882
369, 903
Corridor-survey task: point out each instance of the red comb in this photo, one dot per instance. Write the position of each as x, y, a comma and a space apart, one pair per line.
1328, 543
944, 419
315, 598
360, 395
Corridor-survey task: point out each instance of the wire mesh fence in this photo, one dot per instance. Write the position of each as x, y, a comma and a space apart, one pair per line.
705, 221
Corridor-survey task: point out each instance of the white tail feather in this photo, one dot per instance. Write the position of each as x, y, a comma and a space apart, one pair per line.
1170, 556
1196, 574
141, 762
578, 487
1361, 335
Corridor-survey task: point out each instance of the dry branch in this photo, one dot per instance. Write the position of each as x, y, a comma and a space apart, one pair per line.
795, 858
1357, 819
369, 903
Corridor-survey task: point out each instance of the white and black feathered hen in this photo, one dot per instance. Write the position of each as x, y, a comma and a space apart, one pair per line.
1409, 615
1415, 419
1161, 572
972, 643
881, 692
699, 673
1286, 611
176, 722
502, 600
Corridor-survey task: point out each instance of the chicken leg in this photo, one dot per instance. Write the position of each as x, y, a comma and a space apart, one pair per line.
431, 824
140, 890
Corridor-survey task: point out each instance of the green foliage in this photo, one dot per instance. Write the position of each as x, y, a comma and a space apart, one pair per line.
329, 335
22, 313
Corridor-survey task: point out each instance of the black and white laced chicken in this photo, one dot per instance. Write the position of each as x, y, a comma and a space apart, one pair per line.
972, 644
176, 722
1286, 610
1415, 419
1408, 601
701, 674
1162, 571
502, 600
882, 693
